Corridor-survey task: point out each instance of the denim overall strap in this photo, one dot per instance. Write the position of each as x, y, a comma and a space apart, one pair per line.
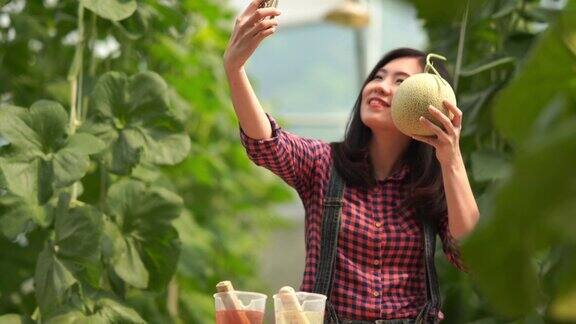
432, 287
332, 208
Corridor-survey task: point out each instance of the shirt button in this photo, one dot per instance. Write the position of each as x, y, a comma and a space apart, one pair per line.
378, 224
376, 294
376, 262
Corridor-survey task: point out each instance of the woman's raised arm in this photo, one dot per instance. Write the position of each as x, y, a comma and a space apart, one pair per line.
250, 29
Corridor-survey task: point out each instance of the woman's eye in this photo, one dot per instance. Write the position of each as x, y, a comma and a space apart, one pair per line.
399, 81
378, 78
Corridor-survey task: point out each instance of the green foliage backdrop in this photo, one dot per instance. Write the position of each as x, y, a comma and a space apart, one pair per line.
125, 193
516, 78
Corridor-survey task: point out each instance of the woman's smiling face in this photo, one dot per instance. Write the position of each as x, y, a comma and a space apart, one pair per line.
378, 93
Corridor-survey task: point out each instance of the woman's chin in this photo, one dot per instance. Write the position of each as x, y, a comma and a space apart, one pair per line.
379, 123
384, 126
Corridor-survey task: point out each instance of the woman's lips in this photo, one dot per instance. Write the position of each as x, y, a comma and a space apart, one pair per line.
378, 103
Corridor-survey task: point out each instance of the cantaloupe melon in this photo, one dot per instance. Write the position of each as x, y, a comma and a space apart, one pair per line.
415, 94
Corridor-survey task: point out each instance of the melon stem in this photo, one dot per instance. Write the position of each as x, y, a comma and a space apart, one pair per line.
430, 65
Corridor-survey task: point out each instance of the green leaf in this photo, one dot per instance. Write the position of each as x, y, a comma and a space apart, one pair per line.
14, 319
160, 254
509, 279
52, 279
489, 165
116, 312
84, 144
114, 10
72, 161
107, 310
16, 127
74, 317
78, 236
564, 308
144, 216
126, 152
49, 122
19, 216
517, 107
563, 283
125, 257
42, 156
141, 122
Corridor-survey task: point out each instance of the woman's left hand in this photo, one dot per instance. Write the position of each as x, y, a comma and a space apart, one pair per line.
447, 140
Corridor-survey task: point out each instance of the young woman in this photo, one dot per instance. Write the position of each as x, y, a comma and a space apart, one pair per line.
375, 201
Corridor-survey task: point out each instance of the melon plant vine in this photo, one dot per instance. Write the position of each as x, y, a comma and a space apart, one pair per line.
92, 253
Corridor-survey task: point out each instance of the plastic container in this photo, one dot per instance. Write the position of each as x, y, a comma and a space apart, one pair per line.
250, 307
312, 308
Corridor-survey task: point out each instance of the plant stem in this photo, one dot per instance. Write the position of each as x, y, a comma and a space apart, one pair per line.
172, 298
75, 78
103, 183
461, 42
93, 37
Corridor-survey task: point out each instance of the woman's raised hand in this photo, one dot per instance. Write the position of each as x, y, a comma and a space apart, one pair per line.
251, 27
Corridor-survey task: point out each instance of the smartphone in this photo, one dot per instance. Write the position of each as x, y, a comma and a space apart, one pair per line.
268, 3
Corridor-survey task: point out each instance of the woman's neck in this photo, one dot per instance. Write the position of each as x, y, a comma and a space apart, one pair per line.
386, 149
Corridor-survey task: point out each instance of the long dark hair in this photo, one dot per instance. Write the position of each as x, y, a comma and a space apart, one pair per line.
424, 187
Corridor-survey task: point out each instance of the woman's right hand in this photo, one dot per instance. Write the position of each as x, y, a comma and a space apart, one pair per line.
251, 27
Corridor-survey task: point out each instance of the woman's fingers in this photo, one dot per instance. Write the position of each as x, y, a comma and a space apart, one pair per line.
259, 15
253, 6
250, 29
265, 33
457, 120
424, 139
440, 134
261, 26
446, 122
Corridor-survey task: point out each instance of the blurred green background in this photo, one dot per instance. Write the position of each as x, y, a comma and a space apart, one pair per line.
219, 216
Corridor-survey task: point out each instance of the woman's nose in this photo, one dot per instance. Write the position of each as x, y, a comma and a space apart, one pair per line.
384, 87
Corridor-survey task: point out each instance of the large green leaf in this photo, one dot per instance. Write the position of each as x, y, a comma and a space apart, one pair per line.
22, 179
72, 162
114, 10
560, 279
505, 275
52, 280
489, 165
517, 108
102, 309
20, 207
124, 256
41, 149
144, 215
20, 216
138, 118
74, 255
17, 127
534, 210
78, 236
14, 319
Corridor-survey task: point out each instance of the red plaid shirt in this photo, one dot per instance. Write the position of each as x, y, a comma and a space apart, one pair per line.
379, 272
